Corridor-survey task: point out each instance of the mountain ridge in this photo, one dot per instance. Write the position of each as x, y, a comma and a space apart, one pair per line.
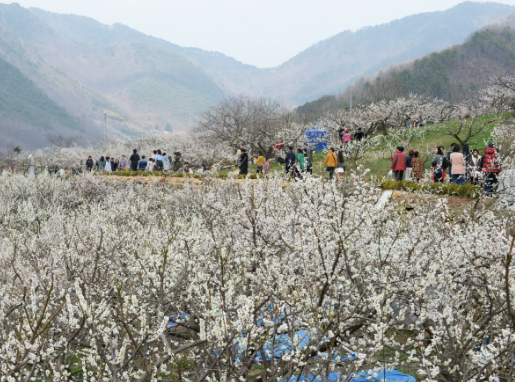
144, 83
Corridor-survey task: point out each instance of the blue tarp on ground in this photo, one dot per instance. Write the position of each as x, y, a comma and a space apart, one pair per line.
389, 376
317, 139
283, 345
177, 319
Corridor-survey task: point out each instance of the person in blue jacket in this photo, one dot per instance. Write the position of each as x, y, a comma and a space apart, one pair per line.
290, 160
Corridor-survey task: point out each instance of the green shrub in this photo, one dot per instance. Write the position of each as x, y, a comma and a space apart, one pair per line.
195, 176
250, 176
466, 190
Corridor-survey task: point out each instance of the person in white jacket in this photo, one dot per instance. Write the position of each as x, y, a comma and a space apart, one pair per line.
108, 164
166, 163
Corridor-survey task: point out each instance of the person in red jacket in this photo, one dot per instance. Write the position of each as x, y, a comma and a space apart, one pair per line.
490, 166
398, 164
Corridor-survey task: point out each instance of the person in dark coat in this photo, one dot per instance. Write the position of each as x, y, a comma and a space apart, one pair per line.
89, 163
243, 162
358, 135
341, 131
177, 162
134, 159
290, 160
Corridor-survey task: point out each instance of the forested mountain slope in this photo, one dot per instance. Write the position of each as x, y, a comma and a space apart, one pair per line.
453, 74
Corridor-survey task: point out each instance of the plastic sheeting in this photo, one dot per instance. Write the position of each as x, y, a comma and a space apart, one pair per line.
282, 345
364, 376
177, 319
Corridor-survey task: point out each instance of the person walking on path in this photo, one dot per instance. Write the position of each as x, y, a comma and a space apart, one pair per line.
346, 140
418, 167
341, 131
307, 159
243, 162
108, 164
458, 165
89, 163
177, 161
150, 164
467, 154
398, 164
358, 135
134, 159
159, 161
142, 165
439, 165
290, 160
123, 163
266, 166
340, 166
409, 165
260, 161
331, 161
449, 167
300, 160
475, 166
491, 166
166, 163
101, 164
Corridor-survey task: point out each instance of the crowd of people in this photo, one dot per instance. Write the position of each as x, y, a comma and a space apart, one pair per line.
461, 164
262, 163
296, 164
158, 161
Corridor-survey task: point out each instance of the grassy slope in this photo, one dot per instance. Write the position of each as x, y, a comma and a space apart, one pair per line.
434, 137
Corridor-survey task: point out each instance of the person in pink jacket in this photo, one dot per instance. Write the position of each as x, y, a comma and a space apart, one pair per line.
346, 137
398, 164
458, 165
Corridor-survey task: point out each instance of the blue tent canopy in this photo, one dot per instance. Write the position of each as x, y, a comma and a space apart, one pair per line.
317, 139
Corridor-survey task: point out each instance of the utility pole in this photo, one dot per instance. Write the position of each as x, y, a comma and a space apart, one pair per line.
105, 126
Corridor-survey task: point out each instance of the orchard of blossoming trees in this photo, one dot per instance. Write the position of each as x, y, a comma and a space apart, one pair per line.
110, 280
93, 269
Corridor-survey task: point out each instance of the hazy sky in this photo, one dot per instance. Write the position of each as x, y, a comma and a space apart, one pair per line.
263, 33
